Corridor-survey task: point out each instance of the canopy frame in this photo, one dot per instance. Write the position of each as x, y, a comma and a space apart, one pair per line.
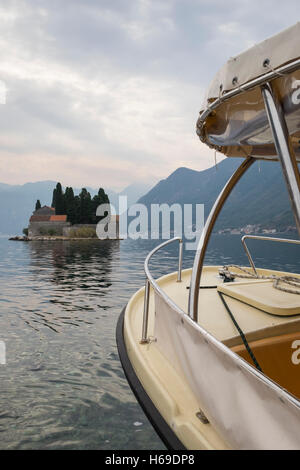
259, 81
290, 172
284, 148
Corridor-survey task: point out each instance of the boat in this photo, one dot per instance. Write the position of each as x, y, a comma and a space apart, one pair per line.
212, 353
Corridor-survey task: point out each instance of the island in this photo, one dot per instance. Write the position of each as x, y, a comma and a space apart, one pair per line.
68, 217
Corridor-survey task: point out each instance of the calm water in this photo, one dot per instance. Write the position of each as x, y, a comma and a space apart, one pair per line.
63, 386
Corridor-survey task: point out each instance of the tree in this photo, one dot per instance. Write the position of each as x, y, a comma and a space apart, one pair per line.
37, 205
70, 205
58, 200
85, 207
79, 209
98, 199
76, 210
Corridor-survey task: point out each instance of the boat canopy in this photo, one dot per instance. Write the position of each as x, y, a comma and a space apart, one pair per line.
233, 119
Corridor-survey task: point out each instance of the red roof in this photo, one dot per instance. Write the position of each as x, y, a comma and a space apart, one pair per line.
48, 218
58, 218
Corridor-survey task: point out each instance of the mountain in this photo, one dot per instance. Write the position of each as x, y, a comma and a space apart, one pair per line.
133, 192
260, 197
17, 202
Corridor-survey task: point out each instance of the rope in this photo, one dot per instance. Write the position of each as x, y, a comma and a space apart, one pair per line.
279, 74
277, 280
242, 334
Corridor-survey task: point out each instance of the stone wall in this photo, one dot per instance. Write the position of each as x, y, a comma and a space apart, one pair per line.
66, 230
38, 229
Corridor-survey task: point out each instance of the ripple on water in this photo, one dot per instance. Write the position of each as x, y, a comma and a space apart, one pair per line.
63, 386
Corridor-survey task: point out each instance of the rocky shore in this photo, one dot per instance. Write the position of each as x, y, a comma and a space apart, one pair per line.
20, 239
29, 239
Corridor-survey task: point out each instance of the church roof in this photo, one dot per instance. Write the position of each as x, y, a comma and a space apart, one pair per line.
58, 218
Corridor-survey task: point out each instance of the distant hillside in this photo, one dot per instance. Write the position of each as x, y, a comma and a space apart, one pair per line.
133, 192
259, 198
17, 202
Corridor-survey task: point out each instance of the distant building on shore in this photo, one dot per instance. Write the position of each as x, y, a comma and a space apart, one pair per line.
45, 222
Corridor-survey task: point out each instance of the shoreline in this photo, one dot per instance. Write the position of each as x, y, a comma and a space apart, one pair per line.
34, 239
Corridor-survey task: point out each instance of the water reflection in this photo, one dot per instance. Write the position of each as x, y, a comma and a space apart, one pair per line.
72, 280
63, 386
71, 260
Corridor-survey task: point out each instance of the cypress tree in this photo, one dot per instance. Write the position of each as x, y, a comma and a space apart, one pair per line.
59, 200
85, 207
80, 209
76, 210
98, 199
38, 205
70, 206
101, 195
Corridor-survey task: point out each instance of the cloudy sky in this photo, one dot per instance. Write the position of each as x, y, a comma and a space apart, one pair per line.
108, 91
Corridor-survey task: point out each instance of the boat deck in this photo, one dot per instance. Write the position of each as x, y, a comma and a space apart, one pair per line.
255, 321
166, 387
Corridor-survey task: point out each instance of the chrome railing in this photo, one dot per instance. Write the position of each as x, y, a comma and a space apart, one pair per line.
151, 281
286, 156
284, 147
205, 237
259, 237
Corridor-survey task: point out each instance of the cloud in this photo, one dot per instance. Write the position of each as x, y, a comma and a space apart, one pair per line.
112, 90
230, 28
